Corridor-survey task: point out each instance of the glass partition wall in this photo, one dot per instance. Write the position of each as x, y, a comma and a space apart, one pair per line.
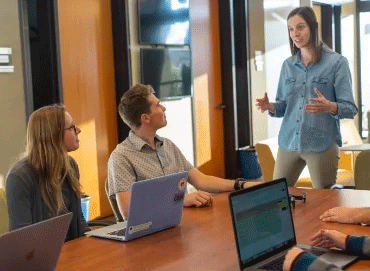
364, 56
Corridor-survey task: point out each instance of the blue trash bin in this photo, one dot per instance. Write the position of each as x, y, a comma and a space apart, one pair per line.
250, 167
85, 207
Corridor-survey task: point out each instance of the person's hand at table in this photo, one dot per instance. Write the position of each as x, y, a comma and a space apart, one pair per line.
198, 199
291, 257
321, 104
349, 215
329, 239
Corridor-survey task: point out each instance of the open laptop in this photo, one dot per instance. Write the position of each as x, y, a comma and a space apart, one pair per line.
155, 204
34, 247
264, 230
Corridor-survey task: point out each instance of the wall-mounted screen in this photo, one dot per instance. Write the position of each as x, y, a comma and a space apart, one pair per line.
168, 71
164, 22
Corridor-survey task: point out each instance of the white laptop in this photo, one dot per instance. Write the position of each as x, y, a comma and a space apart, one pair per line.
155, 204
34, 247
264, 230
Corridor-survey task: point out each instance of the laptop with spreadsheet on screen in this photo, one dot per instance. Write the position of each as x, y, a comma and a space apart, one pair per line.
155, 204
264, 230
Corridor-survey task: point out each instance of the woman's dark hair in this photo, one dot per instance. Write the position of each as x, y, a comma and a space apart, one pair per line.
309, 16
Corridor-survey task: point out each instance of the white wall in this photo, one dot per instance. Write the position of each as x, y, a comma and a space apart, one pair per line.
12, 99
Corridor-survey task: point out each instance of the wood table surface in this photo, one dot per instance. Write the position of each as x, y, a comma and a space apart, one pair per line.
204, 240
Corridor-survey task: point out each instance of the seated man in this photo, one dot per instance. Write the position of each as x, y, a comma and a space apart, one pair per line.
144, 154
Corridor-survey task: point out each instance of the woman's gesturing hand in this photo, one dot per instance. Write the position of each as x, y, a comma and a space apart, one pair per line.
263, 104
321, 104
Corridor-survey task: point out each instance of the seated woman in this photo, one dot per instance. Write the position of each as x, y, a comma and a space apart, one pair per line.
297, 259
45, 182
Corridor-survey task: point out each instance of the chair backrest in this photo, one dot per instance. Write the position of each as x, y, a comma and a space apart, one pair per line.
362, 171
4, 219
266, 160
113, 204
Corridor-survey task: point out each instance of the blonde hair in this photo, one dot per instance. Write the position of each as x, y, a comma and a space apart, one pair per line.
48, 157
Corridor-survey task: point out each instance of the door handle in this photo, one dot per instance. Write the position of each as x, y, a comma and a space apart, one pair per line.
221, 107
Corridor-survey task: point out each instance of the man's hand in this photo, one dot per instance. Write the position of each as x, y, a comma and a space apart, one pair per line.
321, 104
198, 199
329, 239
291, 257
343, 214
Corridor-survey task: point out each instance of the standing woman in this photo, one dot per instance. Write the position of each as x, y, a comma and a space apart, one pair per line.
314, 92
45, 183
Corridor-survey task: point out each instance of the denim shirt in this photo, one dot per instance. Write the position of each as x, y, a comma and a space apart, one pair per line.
313, 132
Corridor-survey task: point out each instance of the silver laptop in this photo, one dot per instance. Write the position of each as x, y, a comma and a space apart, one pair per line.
155, 204
264, 230
34, 247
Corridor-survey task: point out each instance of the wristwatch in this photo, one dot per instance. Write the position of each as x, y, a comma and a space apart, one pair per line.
239, 184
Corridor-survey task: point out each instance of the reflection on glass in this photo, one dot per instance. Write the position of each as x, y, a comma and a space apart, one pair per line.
164, 22
365, 69
168, 71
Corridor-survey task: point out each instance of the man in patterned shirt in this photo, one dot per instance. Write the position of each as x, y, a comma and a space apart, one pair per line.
144, 154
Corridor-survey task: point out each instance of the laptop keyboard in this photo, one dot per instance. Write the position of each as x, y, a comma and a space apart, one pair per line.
118, 233
275, 265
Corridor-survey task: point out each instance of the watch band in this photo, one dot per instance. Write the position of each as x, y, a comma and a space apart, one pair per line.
239, 184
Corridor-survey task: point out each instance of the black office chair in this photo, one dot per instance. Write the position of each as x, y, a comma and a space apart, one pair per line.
113, 205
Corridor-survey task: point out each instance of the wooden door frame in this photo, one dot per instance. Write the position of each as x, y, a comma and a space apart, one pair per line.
236, 90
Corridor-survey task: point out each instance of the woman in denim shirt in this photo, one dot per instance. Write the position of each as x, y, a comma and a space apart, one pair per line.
314, 92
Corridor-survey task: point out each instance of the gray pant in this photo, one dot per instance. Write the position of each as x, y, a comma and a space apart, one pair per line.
323, 166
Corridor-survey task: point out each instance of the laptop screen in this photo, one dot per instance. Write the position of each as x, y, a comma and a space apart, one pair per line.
262, 220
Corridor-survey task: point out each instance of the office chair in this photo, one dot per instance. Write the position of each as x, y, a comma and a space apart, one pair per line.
362, 171
4, 219
113, 204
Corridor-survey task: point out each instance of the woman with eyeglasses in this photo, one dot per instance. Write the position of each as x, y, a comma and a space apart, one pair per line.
44, 183
314, 93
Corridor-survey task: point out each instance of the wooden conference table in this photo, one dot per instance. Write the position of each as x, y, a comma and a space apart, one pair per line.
204, 240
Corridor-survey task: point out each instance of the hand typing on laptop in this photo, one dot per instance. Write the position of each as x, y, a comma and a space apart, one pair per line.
296, 258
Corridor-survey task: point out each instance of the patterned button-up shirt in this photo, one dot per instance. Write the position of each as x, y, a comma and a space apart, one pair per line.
134, 160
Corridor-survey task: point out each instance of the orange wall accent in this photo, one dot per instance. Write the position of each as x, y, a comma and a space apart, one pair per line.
205, 45
89, 91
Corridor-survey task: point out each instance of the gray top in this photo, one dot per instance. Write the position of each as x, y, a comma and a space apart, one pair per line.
25, 204
134, 160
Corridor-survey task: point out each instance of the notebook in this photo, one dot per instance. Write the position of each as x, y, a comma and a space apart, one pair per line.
155, 204
34, 247
264, 230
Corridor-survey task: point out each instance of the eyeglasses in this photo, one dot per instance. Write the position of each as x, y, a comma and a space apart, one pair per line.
73, 126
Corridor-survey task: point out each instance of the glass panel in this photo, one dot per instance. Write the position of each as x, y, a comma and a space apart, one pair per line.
365, 70
277, 49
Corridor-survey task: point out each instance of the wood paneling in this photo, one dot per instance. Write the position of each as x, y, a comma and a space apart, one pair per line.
207, 86
89, 90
